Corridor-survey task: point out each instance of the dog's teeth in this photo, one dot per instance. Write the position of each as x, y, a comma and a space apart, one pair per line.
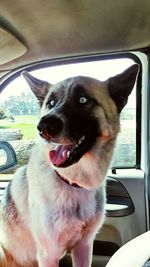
81, 140
64, 153
68, 153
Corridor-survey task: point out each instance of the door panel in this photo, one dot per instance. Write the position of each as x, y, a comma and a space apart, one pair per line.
122, 226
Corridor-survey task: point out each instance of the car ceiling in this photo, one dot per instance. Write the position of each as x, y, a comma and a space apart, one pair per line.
36, 30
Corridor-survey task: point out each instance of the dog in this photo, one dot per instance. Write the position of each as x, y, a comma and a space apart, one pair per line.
56, 203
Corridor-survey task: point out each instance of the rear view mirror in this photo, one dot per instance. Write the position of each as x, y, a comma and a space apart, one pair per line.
8, 157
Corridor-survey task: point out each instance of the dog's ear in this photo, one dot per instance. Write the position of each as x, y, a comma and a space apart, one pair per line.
39, 88
121, 86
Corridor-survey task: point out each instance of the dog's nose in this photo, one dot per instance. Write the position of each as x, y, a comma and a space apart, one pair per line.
50, 124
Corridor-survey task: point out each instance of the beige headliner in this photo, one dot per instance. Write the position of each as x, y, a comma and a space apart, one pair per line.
62, 28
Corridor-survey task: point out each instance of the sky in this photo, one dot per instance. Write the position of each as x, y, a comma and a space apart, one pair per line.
98, 69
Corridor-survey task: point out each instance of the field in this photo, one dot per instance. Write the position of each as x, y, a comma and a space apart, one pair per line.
26, 124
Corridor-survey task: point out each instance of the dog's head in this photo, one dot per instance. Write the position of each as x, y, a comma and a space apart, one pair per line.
80, 114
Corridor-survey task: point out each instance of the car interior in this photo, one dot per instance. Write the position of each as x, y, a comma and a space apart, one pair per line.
54, 40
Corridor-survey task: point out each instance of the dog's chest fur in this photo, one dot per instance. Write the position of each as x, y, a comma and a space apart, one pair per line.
64, 210
51, 210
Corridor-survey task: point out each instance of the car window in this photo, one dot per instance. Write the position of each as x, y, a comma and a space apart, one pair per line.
19, 109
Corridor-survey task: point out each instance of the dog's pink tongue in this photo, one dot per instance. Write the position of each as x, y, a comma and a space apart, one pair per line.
59, 154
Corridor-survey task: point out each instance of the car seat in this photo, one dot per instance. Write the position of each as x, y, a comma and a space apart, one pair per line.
135, 253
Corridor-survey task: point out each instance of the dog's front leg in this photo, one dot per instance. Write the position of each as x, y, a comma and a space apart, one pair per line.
83, 250
48, 252
82, 253
47, 260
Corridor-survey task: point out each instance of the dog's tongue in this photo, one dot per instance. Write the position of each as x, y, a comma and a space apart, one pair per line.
59, 154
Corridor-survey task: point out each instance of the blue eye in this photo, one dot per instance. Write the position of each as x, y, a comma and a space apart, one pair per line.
83, 100
51, 103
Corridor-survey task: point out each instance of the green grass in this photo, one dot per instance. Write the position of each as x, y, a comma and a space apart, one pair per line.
28, 130
4, 126
26, 124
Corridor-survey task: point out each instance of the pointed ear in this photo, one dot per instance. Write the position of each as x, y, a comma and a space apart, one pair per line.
121, 86
39, 88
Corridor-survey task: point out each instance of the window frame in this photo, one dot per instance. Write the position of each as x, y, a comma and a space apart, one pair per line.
8, 78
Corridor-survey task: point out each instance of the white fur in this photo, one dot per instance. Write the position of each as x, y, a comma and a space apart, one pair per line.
47, 224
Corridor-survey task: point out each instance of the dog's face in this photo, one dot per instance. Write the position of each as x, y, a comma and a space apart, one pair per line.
80, 114
69, 121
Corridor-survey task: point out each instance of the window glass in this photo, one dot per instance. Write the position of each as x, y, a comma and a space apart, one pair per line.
19, 109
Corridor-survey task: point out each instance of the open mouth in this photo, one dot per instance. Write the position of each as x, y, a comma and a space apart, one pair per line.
66, 155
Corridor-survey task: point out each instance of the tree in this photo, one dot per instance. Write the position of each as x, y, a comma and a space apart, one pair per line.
2, 114
5, 114
23, 104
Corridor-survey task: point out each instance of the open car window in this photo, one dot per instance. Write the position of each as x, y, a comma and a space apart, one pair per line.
19, 109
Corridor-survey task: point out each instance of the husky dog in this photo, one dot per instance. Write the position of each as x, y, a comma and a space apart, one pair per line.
56, 203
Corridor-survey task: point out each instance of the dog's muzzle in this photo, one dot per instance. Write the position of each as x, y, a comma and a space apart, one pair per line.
50, 126
68, 146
